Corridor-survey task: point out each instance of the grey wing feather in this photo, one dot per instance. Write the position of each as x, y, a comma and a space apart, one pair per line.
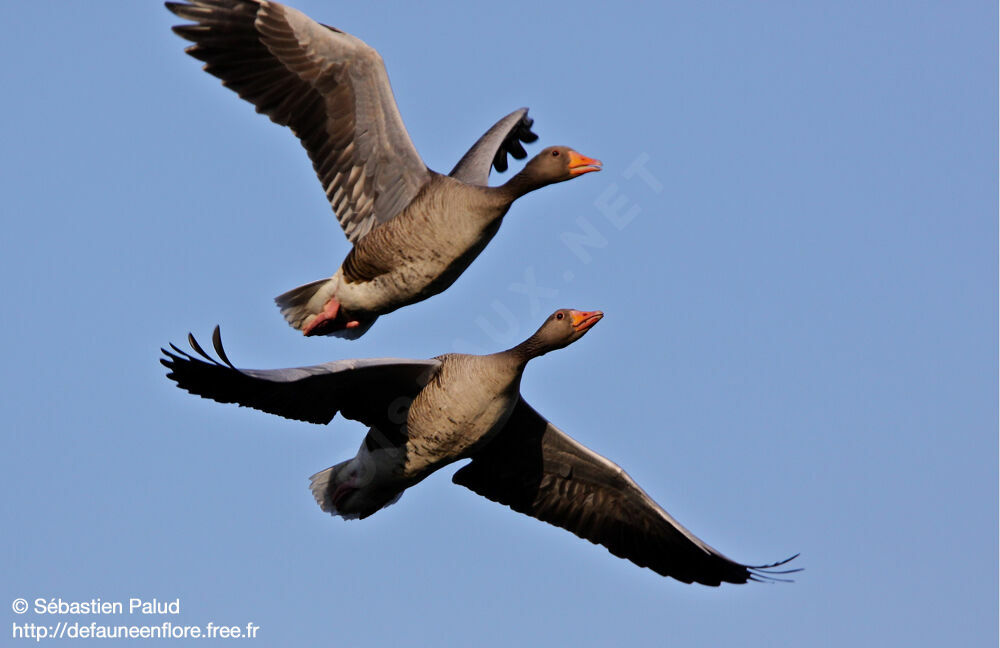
329, 87
372, 391
503, 138
536, 469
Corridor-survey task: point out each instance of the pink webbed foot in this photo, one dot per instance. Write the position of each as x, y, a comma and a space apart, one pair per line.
325, 316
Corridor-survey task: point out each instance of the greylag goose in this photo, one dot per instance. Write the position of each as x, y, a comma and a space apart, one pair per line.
425, 414
414, 231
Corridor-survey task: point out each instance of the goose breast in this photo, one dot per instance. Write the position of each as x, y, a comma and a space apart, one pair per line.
422, 251
461, 409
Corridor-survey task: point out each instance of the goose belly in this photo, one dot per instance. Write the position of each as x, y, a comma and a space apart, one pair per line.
453, 430
421, 264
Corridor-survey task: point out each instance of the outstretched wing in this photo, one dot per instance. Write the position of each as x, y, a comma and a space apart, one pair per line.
376, 392
329, 87
536, 469
492, 148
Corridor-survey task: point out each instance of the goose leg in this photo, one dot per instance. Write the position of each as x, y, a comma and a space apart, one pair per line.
328, 314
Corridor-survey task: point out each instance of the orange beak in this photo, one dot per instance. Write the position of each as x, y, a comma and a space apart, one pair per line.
583, 320
580, 164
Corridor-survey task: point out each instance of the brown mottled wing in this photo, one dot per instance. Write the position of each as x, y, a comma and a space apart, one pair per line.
329, 87
503, 138
536, 469
376, 391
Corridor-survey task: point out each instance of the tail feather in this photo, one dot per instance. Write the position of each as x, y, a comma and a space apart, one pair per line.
299, 304
359, 497
322, 488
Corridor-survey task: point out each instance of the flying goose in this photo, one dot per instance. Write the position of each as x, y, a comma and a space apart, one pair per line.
414, 231
425, 414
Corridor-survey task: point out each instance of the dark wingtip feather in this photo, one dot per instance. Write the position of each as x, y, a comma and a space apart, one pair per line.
524, 132
217, 343
527, 136
197, 347
779, 564
512, 145
190, 33
767, 573
173, 357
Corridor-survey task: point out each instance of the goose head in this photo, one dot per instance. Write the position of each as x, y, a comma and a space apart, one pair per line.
560, 329
551, 165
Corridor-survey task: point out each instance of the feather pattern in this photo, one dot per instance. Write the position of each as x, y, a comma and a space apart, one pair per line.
329, 87
426, 414
503, 138
414, 231
536, 469
367, 390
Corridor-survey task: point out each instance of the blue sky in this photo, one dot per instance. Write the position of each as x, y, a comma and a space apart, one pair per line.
799, 353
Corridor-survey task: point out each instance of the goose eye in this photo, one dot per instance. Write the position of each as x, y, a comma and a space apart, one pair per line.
555, 153
559, 316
